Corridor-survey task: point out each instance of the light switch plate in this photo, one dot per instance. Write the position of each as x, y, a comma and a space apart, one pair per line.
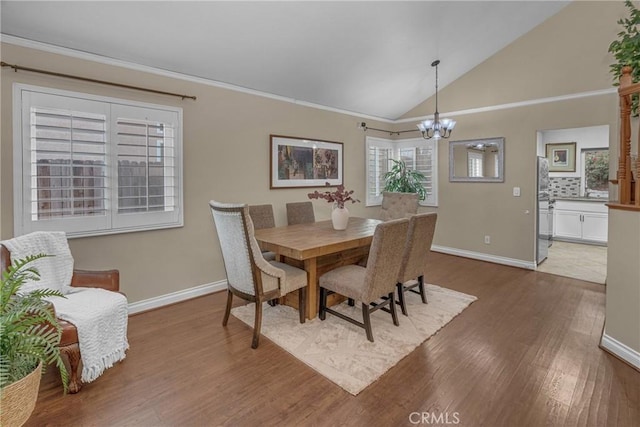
516, 191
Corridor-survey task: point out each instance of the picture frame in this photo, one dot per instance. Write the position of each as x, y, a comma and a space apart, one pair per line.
305, 162
562, 156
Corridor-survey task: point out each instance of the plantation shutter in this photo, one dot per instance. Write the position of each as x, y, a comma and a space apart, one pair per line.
89, 165
64, 144
420, 157
147, 184
475, 166
379, 153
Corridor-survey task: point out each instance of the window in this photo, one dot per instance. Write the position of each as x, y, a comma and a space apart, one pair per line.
418, 154
90, 165
475, 161
596, 172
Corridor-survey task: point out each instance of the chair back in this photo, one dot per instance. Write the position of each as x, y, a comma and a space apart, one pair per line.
234, 228
398, 205
418, 246
385, 256
262, 216
300, 213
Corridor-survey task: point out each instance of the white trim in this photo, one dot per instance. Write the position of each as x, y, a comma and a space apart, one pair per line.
485, 257
31, 44
516, 104
621, 350
178, 296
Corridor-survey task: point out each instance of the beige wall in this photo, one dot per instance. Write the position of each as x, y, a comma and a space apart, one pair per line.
226, 157
566, 54
623, 278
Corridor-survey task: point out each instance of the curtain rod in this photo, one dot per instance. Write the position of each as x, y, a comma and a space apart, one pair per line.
85, 79
364, 127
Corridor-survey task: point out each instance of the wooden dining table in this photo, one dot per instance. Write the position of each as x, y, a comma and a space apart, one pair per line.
318, 248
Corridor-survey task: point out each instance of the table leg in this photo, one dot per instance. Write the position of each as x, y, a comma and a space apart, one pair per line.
310, 267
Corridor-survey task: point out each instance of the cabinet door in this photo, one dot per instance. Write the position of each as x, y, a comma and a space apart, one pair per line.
567, 224
595, 227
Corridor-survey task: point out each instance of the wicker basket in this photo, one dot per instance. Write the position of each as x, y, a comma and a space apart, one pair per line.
17, 400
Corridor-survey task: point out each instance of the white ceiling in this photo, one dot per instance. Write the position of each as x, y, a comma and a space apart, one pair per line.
366, 57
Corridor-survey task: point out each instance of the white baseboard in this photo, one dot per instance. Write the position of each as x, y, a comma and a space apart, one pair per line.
485, 257
178, 296
629, 355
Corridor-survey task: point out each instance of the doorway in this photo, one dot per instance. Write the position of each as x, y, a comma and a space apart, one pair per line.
577, 215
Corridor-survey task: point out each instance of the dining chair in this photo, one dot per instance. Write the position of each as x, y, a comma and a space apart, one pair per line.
373, 285
414, 260
262, 217
249, 275
300, 213
398, 205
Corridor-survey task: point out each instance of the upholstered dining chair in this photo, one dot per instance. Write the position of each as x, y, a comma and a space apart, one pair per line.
373, 285
414, 259
300, 213
262, 217
69, 342
398, 205
249, 275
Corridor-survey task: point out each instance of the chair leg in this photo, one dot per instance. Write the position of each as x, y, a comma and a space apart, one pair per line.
351, 302
403, 304
423, 294
366, 317
392, 306
228, 309
73, 356
257, 325
302, 303
322, 313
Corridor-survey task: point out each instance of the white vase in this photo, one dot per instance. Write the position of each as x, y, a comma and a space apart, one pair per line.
340, 218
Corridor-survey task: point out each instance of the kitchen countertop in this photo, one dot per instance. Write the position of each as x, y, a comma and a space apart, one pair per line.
582, 199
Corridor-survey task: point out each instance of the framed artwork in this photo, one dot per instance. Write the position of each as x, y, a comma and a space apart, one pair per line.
562, 157
301, 162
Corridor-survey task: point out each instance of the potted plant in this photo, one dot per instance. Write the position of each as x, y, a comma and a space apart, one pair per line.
339, 214
29, 340
401, 179
627, 49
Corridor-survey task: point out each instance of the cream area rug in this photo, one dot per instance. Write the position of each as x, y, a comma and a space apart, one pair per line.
341, 352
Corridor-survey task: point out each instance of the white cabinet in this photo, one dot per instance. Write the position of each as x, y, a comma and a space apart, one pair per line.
595, 226
580, 221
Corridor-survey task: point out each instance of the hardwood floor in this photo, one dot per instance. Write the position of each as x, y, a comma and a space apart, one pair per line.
525, 354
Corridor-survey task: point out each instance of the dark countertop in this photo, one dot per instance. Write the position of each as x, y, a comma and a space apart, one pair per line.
582, 199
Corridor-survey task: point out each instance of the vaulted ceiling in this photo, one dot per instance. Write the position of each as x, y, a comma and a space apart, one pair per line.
367, 57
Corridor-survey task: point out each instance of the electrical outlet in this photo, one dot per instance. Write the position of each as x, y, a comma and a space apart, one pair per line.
487, 240
516, 191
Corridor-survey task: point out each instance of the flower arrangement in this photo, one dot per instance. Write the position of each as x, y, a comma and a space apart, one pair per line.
339, 197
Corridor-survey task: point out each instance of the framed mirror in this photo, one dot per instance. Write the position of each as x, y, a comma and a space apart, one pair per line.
476, 160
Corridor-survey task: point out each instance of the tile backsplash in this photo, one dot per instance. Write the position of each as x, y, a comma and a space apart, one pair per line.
565, 187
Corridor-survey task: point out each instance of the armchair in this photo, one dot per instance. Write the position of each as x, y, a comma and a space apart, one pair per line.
69, 343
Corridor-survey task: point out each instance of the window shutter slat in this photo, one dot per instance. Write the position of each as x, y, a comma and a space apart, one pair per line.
69, 163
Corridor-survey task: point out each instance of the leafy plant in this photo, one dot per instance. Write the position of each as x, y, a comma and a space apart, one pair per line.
339, 197
627, 49
401, 179
29, 330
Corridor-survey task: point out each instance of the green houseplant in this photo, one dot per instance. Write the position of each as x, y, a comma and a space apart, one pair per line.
29, 338
626, 49
401, 179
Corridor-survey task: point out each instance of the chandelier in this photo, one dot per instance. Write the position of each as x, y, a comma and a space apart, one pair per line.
436, 128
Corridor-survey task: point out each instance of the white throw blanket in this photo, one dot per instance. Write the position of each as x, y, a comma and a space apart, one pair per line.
56, 270
99, 315
101, 318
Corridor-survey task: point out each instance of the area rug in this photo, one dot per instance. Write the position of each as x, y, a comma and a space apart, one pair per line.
341, 352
